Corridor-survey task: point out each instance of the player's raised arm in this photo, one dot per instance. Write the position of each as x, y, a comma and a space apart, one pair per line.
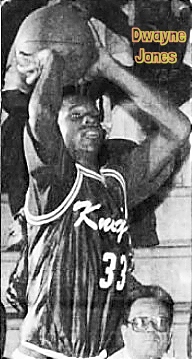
42, 137
174, 127
156, 154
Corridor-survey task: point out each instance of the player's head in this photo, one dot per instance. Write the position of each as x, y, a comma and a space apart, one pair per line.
146, 323
79, 121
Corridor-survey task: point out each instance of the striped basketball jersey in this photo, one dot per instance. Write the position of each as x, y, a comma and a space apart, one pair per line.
79, 258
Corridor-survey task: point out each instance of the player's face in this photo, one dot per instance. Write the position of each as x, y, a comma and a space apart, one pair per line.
149, 343
79, 122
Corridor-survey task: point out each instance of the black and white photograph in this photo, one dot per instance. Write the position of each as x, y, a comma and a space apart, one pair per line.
96, 179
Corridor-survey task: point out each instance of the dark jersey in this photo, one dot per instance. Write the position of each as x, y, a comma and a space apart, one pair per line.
78, 263
79, 253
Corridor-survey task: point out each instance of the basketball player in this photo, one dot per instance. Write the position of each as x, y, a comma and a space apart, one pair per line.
80, 191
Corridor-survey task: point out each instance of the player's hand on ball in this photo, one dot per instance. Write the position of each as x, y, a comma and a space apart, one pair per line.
99, 67
30, 66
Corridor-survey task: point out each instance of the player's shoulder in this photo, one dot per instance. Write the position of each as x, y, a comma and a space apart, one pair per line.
119, 144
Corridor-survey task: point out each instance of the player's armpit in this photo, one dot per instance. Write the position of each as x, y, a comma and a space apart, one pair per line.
141, 182
167, 142
148, 188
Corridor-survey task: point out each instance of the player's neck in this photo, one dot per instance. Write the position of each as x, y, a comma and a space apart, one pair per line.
89, 161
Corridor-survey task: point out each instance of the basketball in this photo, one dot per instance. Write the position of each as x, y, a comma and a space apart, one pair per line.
61, 28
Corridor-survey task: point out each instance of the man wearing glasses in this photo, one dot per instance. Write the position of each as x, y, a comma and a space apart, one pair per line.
146, 324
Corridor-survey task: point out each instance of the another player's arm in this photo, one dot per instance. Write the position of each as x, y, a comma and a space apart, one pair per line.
43, 140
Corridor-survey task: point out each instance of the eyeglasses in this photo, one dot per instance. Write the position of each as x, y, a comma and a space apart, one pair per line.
141, 324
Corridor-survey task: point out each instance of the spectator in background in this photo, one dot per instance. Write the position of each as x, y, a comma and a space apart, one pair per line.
146, 324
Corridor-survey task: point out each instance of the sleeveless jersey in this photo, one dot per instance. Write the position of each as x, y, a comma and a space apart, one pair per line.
79, 260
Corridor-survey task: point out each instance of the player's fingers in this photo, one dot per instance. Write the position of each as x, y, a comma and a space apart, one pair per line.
28, 61
31, 73
32, 76
95, 34
30, 66
26, 69
24, 59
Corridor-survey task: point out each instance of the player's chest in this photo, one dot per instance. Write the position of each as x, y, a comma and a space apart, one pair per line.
100, 206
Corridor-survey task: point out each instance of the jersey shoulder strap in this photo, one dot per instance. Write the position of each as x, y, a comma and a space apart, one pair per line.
109, 172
